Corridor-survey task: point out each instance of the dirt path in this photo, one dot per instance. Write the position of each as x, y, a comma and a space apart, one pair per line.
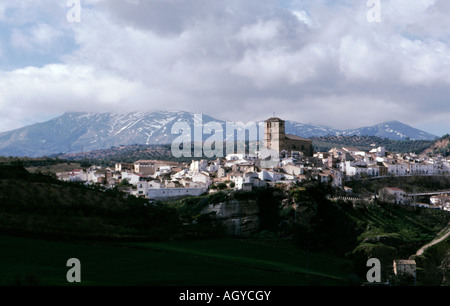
445, 230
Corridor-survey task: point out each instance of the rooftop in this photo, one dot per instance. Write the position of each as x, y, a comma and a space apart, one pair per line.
394, 188
294, 137
274, 119
405, 262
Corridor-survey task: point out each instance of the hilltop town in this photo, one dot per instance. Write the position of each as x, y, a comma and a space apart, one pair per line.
294, 162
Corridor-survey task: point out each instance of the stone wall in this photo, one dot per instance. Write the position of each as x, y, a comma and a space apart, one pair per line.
297, 145
240, 218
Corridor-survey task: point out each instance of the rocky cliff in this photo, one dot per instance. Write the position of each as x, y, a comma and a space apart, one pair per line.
239, 217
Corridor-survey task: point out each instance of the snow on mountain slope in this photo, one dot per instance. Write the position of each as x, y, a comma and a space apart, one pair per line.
76, 132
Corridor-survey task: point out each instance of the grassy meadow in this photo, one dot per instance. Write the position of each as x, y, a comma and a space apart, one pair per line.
203, 262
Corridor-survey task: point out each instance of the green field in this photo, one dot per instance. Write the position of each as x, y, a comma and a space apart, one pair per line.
207, 262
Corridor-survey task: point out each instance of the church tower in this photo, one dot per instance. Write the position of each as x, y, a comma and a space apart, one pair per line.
274, 133
275, 138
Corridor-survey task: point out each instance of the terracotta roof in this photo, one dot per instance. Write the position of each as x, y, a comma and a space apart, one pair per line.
405, 262
294, 137
274, 119
394, 188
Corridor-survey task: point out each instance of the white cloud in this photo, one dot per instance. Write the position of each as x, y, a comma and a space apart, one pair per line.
261, 31
43, 35
316, 62
55, 89
39, 38
303, 17
2, 11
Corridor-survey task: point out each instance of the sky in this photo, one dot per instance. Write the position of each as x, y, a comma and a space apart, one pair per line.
343, 64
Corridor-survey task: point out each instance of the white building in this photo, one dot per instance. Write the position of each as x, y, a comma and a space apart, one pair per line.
77, 175
221, 172
393, 195
198, 165
266, 175
380, 151
181, 174
357, 168
95, 175
202, 177
248, 181
397, 168
244, 183
422, 168
132, 178
294, 169
168, 193
190, 184
163, 169
338, 179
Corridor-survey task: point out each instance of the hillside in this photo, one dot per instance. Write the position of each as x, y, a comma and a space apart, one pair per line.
361, 230
325, 143
124, 154
50, 209
436, 263
440, 146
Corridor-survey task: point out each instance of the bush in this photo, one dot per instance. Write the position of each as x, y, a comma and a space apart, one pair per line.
222, 186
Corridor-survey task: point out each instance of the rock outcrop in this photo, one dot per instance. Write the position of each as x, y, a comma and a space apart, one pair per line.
239, 217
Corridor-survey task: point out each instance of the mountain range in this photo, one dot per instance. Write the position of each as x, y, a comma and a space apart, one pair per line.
83, 132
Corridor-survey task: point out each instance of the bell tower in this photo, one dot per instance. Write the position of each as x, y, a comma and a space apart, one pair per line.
274, 133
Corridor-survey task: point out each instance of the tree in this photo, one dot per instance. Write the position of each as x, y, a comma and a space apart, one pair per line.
124, 183
222, 186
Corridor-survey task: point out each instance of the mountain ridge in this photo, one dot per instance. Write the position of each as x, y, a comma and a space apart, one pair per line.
85, 131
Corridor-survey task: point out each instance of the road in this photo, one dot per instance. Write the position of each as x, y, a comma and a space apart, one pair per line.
445, 230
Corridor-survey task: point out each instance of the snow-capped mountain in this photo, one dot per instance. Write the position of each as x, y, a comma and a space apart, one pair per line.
308, 130
392, 130
77, 132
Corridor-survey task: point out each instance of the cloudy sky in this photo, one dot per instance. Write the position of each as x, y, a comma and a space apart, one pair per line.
322, 62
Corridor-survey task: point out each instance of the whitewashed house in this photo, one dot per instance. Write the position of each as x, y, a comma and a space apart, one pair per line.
267, 175
356, 168
202, 177
397, 168
132, 178
180, 174
221, 172
163, 169
198, 166
77, 175
420, 168
171, 193
294, 169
